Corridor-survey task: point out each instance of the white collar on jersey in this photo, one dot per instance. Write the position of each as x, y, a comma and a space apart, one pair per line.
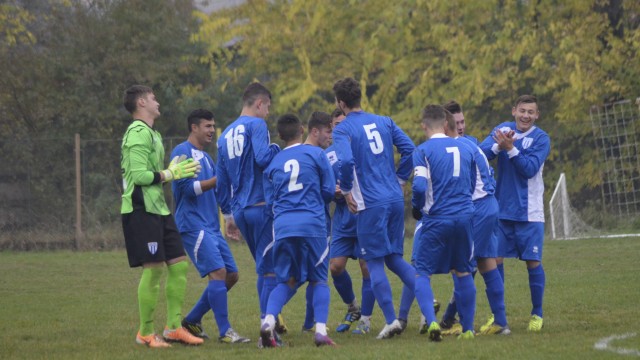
290, 146
438, 135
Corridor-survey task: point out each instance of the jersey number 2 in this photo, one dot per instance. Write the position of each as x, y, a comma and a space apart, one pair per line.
293, 167
235, 141
375, 140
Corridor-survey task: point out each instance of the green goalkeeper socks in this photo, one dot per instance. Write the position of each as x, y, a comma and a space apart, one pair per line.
175, 290
148, 291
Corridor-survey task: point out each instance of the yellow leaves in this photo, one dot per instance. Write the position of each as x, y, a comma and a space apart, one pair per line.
13, 25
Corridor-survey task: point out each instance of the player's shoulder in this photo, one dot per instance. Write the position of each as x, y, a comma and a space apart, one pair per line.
182, 148
537, 131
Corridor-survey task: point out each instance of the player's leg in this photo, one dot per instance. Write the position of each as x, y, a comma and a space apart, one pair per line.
315, 251
531, 240
368, 300
464, 287
341, 249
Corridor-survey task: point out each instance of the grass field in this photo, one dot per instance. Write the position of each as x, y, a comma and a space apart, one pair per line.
79, 305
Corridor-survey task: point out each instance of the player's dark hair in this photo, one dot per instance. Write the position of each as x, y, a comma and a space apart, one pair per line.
453, 107
451, 121
196, 116
336, 113
254, 91
131, 96
433, 116
288, 127
348, 90
526, 99
319, 120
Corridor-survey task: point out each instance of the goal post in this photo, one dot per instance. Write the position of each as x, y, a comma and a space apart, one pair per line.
558, 208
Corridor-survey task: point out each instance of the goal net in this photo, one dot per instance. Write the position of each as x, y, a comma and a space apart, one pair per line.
565, 222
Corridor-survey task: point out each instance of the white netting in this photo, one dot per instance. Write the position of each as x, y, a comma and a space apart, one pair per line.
565, 222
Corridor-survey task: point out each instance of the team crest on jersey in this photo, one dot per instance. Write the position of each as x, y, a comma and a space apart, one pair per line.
331, 155
363, 251
535, 249
153, 247
526, 142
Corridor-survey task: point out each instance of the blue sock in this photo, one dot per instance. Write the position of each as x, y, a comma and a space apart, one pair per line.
259, 284
269, 283
368, 299
406, 300
217, 291
424, 296
495, 296
452, 309
308, 317
501, 271
344, 287
465, 293
403, 269
536, 284
381, 288
277, 298
199, 309
321, 297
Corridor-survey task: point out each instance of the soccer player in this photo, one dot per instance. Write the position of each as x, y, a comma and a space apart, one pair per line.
483, 224
442, 187
521, 148
151, 236
298, 184
456, 110
196, 216
373, 188
243, 153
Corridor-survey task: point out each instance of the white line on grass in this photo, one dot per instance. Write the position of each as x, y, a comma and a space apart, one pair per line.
603, 344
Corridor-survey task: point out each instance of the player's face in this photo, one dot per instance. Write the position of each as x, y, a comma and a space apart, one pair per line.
324, 137
150, 104
204, 131
526, 115
262, 107
337, 120
460, 125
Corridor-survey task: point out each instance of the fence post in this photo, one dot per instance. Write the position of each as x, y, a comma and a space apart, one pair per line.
79, 236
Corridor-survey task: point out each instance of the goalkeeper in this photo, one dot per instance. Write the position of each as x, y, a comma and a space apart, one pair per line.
151, 236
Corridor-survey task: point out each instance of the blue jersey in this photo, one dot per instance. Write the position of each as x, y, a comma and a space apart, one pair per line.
520, 187
195, 210
243, 153
471, 138
443, 175
364, 144
343, 223
484, 184
298, 184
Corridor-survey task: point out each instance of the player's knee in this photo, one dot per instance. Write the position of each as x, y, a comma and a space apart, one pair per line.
231, 280
219, 274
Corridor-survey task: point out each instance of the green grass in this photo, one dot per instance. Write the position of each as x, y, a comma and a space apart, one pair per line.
83, 305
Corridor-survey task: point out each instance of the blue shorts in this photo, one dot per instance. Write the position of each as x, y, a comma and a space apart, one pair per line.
304, 259
444, 244
208, 251
416, 240
381, 230
344, 246
484, 224
520, 239
256, 225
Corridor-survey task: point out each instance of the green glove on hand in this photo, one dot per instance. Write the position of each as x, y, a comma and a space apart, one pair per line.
179, 168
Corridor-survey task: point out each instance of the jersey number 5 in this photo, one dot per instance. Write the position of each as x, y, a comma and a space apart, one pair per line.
235, 141
456, 160
293, 167
375, 140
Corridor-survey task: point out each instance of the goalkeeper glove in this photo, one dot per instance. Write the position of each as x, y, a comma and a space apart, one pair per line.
417, 214
179, 168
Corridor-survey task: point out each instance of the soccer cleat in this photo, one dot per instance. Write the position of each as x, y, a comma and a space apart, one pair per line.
267, 337
467, 335
181, 335
455, 329
487, 324
435, 334
195, 329
496, 329
424, 328
362, 328
152, 341
535, 324
281, 327
321, 340
403, 323
436, 306
349, 318
389, 330
446, 324
308, 330
232, 337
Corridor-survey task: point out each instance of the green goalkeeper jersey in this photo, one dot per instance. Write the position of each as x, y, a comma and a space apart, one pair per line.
141, 160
